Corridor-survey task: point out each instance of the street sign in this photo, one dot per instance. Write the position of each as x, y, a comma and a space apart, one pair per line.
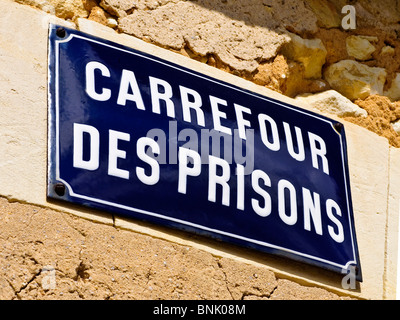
144, 138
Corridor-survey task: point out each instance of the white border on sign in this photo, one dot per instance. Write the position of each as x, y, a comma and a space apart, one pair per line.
160, 216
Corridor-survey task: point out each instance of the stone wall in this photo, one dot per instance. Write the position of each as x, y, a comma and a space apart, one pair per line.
295, 51
294, 47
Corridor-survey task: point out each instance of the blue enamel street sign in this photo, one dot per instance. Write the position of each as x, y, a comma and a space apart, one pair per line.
144, 138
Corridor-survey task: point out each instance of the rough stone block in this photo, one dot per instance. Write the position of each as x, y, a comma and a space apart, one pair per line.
355, 80
332, 102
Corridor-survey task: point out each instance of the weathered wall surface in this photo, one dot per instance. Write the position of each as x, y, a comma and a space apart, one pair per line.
98, 261
293, 47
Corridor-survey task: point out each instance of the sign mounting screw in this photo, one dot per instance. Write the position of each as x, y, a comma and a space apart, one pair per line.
61, 33
338, 127
59, 189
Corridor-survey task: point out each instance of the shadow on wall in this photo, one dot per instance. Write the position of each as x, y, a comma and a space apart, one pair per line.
305, 16
246, 37
293, 47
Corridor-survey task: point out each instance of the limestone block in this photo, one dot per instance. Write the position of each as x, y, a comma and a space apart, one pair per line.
23, 109
392, 238
97, 14
310, 52
396, 126
23, 106
333, 102
104, 32
394, 91
326, 12
368, 156
355, 80
206, 32
387, 50
293, 15
359, 47
66, 9
117, 7
112, 23
385, 11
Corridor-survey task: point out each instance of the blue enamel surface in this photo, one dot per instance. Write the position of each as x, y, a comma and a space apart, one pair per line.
162, 203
